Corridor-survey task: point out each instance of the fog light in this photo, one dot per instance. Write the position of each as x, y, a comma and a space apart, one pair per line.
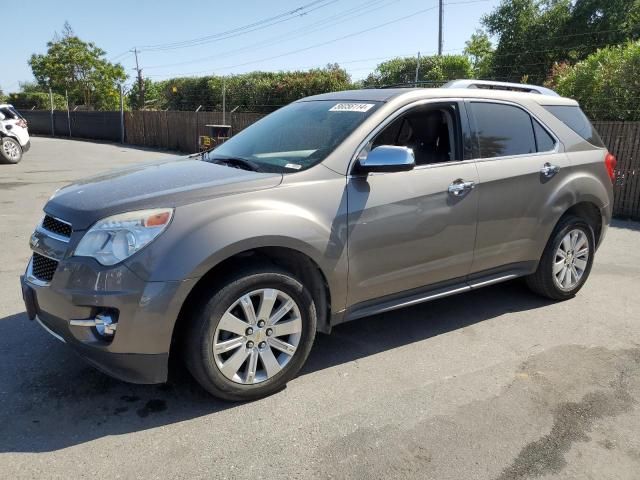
104, 323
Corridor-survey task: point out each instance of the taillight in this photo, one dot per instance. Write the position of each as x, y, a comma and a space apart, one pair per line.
22, 123
610, 163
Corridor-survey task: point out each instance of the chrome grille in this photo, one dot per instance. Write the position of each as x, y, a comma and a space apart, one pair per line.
43, 268
56, 226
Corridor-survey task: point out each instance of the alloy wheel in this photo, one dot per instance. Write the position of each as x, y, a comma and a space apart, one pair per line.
571, 259
257, 336
11, 150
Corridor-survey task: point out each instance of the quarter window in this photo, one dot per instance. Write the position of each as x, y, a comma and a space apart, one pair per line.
544, 141
502, 130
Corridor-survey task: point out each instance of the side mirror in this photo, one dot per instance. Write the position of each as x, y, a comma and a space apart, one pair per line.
387, 158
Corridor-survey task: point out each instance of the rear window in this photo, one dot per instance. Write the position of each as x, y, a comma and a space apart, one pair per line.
574, 118
502, 130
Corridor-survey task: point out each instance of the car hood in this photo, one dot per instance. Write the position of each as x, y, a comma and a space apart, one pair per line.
164, 184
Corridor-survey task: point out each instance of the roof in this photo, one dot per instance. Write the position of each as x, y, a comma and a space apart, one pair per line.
386, 94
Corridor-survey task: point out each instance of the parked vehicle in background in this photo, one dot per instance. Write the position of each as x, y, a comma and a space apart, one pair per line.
14, 135
336, 207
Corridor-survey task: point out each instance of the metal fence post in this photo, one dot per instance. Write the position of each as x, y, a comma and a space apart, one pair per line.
66, 94
53, 131
121, 116
197, 130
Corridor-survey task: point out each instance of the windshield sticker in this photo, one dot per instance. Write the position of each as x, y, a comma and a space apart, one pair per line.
293, 166
352, 107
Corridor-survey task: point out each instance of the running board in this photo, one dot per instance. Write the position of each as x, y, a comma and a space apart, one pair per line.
426, 296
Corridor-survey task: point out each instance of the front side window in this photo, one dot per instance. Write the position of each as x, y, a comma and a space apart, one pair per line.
297, 136
502, 130
430, 131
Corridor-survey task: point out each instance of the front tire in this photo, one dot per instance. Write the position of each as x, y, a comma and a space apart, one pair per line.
10, 150
566, 261
252, 335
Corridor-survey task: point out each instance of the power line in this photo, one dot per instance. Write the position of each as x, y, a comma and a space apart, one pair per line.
343, 37
342, 17
252, 27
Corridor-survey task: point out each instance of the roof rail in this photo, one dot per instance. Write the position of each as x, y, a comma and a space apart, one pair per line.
491, 85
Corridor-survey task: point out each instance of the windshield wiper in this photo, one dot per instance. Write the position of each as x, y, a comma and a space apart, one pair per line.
237, 162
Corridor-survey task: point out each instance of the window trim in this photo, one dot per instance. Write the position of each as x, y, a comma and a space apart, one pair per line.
465, 129
474, 134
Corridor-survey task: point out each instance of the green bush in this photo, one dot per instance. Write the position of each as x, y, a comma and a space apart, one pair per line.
36, 100
436, 69
606, 83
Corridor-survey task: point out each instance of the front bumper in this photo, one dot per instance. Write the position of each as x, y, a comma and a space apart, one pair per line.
146, 314
26, 146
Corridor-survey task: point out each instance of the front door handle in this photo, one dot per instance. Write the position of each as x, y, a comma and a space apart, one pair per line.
549, 170
459, 187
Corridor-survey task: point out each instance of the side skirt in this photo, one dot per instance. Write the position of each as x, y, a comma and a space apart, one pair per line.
441, 290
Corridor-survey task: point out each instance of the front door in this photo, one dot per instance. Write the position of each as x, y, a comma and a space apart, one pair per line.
406, 229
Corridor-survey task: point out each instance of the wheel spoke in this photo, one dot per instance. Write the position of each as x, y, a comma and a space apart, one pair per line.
575, 274
574, 239
561, 253
247, 308
580, 264
581, 242
287, 327
282, 346
268, 298
566, 282
231, 366
270, 362
566, 244
231, 323
558, 266
252, 366
228, 345
282, 311
582, 253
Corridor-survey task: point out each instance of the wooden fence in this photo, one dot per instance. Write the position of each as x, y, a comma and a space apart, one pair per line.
178, 130
623, 140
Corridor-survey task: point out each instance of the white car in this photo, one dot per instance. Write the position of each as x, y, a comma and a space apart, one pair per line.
13, 133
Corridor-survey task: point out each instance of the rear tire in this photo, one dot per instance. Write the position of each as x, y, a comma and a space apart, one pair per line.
10, 151
237, 348
566, 261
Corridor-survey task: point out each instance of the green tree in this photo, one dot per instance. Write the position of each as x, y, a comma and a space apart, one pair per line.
153, 97
533, 35
2, 96
606, 83
80, 68
435, 69
480, 52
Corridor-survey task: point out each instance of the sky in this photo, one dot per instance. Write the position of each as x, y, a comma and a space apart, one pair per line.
286, 34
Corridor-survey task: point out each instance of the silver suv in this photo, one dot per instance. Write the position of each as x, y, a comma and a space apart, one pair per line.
336, 207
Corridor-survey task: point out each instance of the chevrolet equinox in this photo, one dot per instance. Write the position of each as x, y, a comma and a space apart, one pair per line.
336, 207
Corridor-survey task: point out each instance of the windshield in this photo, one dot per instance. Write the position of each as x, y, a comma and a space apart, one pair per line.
295, 137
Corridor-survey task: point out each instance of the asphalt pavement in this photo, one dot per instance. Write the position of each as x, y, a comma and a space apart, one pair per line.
493, 384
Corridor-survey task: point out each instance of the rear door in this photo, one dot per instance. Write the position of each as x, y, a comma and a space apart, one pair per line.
519, 167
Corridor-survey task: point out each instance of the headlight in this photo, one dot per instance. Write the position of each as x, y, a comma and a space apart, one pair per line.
114, 239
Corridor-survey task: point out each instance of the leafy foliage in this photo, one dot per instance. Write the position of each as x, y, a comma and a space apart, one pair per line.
436, 69
255, 91
535, 34
37, 101
606, 83
480, 52
80, 68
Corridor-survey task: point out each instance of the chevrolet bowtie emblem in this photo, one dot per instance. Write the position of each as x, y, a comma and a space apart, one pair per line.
34, 241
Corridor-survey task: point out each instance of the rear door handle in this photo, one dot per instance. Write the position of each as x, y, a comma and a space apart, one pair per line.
549, 170
459, 187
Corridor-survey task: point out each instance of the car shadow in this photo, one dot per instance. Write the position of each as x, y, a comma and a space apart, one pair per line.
51, 399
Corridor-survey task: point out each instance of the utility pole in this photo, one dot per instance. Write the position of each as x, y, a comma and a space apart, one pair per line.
440, 21
415, 84
140, 81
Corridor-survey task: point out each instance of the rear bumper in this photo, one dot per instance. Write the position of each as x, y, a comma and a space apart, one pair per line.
146, 315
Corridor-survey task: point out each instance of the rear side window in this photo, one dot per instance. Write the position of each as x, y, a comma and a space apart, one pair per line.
502, 130
574, 118
544, 141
